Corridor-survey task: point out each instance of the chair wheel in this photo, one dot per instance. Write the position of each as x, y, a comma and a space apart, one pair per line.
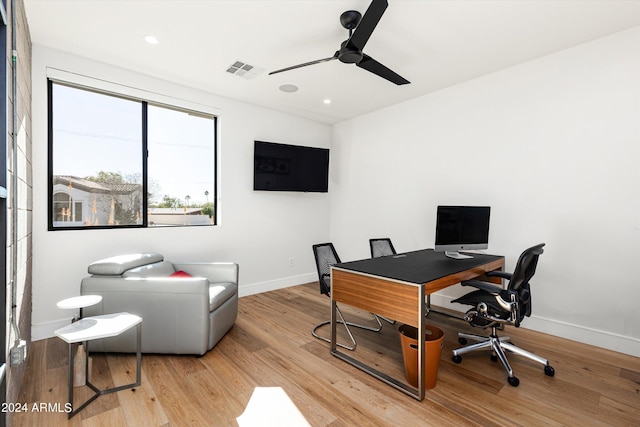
494, 358
549, 371
457, 359
462, 341
514, 381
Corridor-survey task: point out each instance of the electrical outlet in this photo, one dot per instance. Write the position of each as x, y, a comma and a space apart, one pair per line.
18, 353
292, 262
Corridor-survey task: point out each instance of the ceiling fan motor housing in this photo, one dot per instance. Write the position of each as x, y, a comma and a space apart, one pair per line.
349, 54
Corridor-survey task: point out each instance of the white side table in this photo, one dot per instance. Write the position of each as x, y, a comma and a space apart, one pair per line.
78, 303
93, 328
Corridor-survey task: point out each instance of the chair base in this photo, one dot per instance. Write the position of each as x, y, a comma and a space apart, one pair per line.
346, 325
498, 345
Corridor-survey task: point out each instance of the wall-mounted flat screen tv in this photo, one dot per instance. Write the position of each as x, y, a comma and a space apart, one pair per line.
283, 167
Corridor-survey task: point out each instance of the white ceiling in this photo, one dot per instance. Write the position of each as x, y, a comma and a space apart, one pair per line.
434, 44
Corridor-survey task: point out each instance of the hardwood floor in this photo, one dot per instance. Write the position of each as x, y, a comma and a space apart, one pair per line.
271, 346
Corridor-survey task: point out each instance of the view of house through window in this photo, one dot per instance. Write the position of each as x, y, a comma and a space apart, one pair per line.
99, 177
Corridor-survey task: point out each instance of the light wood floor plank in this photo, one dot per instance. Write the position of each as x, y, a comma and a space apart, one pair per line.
271, 346
139, 405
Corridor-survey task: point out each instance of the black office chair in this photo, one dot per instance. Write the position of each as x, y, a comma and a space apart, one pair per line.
494, 306
326, 256
381, 247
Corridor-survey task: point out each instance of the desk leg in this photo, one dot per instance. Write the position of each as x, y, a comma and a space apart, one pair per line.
334, 337
416, 393
421, 343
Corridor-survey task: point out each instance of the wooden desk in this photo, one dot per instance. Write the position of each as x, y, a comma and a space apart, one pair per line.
395, 287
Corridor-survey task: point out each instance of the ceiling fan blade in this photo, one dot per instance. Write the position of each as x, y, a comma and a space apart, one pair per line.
317, 61
368, 24
370, 64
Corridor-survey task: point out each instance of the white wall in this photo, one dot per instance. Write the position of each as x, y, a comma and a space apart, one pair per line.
551, 145
261, 231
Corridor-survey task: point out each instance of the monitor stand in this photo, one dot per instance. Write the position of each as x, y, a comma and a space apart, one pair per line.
457, 255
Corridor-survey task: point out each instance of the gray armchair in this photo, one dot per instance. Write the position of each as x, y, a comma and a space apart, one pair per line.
186, 308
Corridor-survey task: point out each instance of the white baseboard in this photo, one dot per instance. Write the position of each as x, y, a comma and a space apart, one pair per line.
598, 338
47, 329
272, 285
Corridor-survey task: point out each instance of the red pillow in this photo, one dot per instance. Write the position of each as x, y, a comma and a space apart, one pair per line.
180, 273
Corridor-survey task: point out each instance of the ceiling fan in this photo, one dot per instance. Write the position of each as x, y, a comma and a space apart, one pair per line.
351, 49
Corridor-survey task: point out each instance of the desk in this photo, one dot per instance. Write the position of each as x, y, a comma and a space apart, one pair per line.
395, 287
93, 328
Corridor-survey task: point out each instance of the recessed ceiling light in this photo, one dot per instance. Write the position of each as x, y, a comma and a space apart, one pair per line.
289, 88
151, 39
327, 101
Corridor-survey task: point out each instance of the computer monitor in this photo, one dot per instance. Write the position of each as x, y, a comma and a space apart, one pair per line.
462, 227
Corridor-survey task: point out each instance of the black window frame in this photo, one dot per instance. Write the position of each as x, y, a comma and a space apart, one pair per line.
144, 155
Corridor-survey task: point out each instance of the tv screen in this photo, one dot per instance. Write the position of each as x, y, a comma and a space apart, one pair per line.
462, 227
283, 167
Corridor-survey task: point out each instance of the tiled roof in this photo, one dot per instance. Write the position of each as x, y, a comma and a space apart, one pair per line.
95, 187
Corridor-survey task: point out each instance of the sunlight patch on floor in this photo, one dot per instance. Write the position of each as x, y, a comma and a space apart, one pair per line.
271, 406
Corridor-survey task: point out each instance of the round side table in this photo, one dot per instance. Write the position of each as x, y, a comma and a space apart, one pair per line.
78, 303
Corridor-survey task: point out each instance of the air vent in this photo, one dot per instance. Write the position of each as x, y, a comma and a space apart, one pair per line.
242, 69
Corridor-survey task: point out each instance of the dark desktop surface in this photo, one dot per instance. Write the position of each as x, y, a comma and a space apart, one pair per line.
418, 266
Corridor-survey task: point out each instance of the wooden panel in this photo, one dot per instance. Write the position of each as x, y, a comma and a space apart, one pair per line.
473, 273
387, 298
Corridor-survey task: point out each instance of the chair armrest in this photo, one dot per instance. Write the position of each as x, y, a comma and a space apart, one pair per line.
492, 288
497, 273
212, 271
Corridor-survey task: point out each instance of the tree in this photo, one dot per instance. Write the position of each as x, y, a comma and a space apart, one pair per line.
107, 178
169, 202
123, 209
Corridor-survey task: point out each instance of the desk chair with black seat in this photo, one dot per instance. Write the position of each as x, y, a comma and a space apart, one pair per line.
326, 256
381, 247
494, 306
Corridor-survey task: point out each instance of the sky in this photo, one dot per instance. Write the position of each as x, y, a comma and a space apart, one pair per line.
94, 132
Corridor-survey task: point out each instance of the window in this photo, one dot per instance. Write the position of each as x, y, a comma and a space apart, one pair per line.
123, 162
